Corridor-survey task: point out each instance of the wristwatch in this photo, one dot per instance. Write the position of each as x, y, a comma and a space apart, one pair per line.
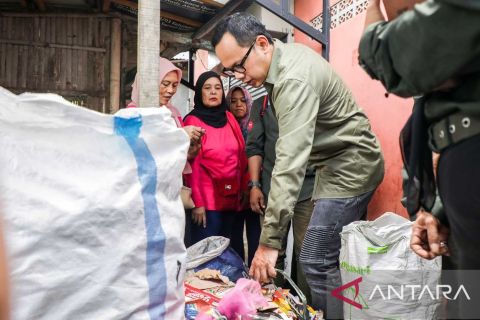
253, 183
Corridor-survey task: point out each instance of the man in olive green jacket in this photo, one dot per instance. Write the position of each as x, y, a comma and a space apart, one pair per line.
319, 124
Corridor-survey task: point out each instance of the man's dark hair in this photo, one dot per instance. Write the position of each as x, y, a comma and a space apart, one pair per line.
244, 27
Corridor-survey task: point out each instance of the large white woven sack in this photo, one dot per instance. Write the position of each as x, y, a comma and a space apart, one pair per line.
382, 276
93, 218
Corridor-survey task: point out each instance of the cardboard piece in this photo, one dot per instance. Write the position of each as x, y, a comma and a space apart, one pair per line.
209, 274
208, 279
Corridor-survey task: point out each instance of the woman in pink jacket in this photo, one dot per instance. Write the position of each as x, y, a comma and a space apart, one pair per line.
218, 178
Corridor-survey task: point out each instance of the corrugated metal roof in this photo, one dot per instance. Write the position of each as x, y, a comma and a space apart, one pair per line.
176, 15
187, 24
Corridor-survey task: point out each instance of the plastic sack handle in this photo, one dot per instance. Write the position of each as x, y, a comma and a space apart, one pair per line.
371, 236
299, 292
388, 219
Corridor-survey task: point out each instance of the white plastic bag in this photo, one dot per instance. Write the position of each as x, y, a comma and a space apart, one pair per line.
215, 253
376, 257
93, 217
206, 250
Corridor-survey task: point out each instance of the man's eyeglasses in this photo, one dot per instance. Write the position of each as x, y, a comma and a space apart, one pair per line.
239, 68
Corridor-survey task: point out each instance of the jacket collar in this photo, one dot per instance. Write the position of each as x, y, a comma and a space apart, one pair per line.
274, 69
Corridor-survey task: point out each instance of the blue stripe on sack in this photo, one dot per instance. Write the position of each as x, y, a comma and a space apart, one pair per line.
147, 174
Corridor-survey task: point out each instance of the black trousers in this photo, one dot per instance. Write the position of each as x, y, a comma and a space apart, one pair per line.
459, 188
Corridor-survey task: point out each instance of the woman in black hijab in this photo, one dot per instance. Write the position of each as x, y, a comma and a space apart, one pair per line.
218, 172
212, 113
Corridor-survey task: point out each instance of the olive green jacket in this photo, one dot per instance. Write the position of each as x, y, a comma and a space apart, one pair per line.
261, 142
320, 124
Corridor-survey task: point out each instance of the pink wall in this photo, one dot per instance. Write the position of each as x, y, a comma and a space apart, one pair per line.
387, 115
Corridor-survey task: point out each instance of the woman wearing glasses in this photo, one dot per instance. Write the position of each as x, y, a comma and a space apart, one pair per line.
219, 171
240, 103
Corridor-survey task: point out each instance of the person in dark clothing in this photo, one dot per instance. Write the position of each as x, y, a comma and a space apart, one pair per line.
240, 102
451, 107
432, 52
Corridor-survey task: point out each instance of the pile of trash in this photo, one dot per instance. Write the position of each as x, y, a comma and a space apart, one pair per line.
217, 286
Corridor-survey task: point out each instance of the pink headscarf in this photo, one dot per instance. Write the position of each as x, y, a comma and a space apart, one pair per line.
165, 67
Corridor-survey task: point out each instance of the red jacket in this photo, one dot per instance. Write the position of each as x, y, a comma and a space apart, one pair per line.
219, 171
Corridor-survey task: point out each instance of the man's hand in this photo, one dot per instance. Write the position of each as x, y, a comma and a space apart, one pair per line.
263, 264
429, 237
257, 200
199, 216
